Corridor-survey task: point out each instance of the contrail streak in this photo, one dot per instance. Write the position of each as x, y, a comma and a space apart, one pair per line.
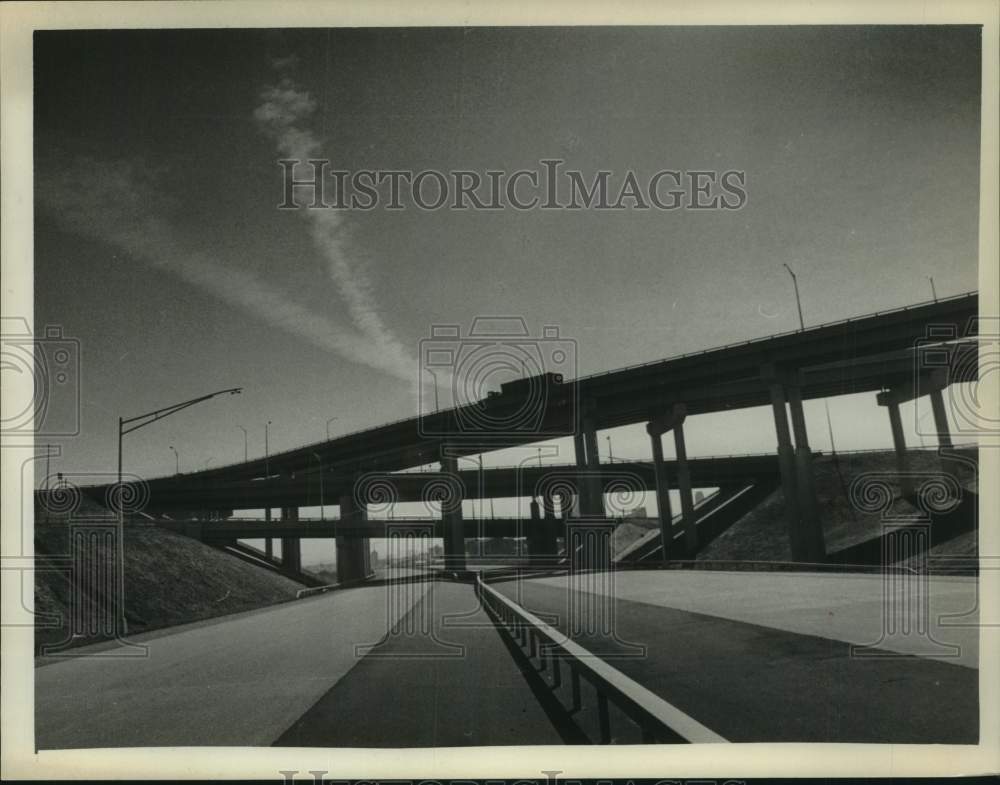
282, 110
110, 202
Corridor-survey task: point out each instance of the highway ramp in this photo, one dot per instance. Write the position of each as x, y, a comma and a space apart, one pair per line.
233, 681
294, 675
748, 655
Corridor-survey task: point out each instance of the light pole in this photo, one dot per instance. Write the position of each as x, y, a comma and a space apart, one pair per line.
267, 458
127, 425
209, 460
482, 489
177, 460
611, 455
798, 302
246, 455
933, 290
328, 427
320, 462
48, 455
829, 426
539, 456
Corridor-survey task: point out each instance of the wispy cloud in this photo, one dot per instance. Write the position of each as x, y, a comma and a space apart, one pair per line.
119, 203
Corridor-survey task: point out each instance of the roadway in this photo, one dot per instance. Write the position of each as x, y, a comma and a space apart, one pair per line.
752, 656
447, 681
251, 679
767, 656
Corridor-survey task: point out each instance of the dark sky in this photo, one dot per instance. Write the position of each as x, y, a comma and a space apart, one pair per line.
161, 249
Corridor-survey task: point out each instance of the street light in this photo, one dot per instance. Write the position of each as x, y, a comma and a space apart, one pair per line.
177, 460
320, 462
933, 290
328, 426
48, 473
246, 455
482, 487
798, 302
127, 425
267, 459
611, 456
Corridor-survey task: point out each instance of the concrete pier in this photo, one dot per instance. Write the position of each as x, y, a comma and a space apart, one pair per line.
451, 513
786, 463
811, 521
291, 547
353, 554
684, 483
662, 490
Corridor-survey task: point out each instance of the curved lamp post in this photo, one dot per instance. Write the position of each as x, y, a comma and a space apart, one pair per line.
127, 425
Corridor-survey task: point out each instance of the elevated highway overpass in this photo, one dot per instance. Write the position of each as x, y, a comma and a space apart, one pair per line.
899, 355
184, 492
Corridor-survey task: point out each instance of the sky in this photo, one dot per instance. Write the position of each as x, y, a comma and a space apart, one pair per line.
160, 248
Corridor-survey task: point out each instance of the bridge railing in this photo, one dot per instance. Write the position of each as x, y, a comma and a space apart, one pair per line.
764, 338
658, 721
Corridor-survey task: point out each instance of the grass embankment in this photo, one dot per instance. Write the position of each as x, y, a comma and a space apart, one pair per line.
761, 534
169, 579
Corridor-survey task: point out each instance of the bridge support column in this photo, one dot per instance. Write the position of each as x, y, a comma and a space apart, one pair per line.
811, 522
662, 491
353, 553
931, 385
291, 547
941, 420
454, 525
595, 484
786, 464
899, 446
577, 505
550, 526
268, 545
535, 535
684, 485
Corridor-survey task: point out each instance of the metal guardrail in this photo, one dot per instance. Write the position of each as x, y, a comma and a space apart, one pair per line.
765, 338
657, 720
311, 590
